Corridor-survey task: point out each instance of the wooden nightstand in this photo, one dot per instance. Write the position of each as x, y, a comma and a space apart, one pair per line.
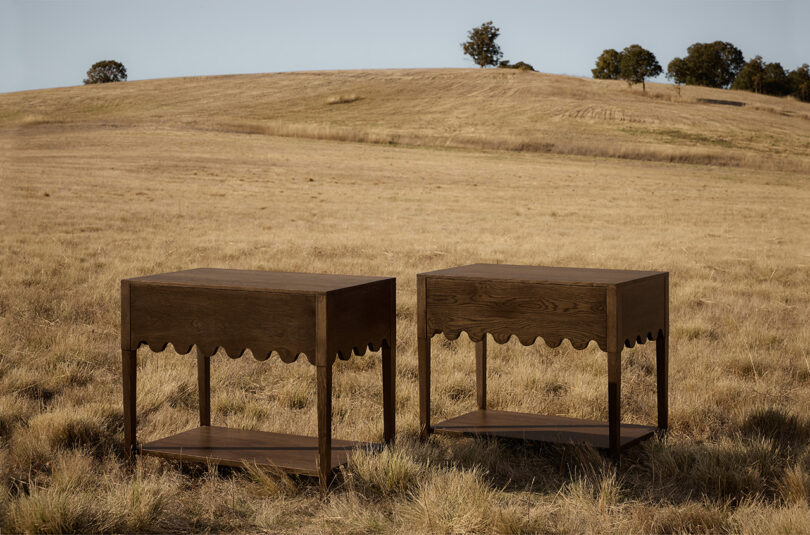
321, 316
614, 308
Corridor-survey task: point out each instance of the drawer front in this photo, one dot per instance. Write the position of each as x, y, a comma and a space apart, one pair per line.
236, 320
527, 310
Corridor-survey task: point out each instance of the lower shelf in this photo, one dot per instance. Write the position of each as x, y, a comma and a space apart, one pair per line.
236, 447
540, 428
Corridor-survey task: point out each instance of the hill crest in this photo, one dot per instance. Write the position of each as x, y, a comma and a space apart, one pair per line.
463, 108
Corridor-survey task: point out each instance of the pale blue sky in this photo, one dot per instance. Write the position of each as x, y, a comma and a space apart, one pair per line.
53, 43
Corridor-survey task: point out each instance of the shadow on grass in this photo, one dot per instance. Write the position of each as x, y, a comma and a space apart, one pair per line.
785, 430
747, 464
750, 463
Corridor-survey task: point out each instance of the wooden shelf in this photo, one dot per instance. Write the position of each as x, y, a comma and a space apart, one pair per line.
540, 428
236, 447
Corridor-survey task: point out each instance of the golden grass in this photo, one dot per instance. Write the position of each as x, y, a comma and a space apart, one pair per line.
499, 109
102, 183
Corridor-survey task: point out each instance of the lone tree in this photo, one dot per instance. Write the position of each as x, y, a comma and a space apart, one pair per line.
481, 45
608, 65
678, 72
637, 64
711, 64
106, 71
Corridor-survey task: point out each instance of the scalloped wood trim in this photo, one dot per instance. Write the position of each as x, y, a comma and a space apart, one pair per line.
477, 335
643, 338
500, 337
286, 355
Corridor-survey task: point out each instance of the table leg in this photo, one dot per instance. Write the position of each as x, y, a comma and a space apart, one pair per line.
481, 372
204, 387
129, 374
614, 404
423, 342
424, 387
389, 372
662, 372
324, 381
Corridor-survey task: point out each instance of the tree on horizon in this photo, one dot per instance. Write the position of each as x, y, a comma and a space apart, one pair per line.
710, 64
637, 64
106, 71
608, 65
800, 82
678, 72
762, 77
481, 45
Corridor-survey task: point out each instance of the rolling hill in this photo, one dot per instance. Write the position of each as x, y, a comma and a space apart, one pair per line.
466, 108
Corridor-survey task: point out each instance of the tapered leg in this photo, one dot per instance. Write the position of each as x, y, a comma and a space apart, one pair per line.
389, 372
423, 348
424, 387
129, 375
614, 403
204, 387
662, 371
324, 425
481, 372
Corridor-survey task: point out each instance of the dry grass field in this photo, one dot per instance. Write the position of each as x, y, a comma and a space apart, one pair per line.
394, 173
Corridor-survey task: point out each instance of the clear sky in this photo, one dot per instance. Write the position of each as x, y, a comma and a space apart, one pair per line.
52, 43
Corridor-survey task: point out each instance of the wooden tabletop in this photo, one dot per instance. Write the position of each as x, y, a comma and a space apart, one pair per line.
546, 274
239, 279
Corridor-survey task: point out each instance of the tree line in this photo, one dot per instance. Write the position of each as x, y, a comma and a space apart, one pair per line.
718, 64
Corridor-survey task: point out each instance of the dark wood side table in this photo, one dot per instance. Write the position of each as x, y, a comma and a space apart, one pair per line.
321, 316
615, 308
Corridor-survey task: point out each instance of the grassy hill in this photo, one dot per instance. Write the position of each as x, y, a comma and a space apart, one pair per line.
491, 109
108, 182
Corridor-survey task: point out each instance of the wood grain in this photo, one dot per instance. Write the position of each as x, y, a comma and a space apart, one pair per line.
503, 308
232, 319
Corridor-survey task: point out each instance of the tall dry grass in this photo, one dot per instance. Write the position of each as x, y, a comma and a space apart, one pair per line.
85, 203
